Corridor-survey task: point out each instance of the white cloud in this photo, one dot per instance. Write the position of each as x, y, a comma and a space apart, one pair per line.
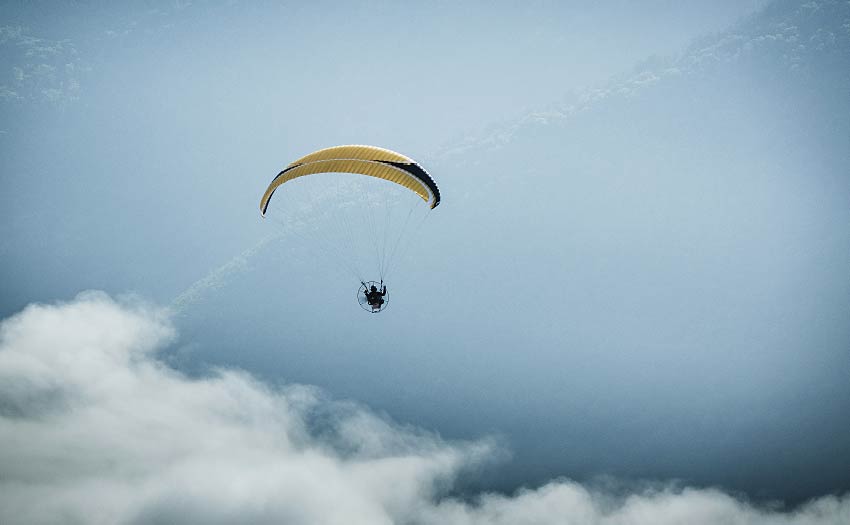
94, 429
570, 503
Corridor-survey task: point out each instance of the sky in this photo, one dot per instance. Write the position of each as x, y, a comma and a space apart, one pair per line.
632, 304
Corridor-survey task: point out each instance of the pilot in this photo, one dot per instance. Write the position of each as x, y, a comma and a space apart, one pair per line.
374, 297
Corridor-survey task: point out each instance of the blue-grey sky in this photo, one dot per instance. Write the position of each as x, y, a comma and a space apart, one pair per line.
633, 298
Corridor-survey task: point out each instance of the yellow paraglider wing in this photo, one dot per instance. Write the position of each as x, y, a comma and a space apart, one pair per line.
364, 160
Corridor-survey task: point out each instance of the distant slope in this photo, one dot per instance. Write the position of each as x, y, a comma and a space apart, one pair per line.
790, 42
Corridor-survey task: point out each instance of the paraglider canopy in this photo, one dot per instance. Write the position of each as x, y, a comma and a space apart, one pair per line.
365, 160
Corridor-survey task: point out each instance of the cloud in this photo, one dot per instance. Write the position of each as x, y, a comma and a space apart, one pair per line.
95, 429
570, 503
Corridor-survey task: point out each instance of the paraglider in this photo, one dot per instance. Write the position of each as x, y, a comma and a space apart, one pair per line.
374, 294
385, 208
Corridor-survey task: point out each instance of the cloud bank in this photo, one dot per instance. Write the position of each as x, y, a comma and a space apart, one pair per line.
95, 429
